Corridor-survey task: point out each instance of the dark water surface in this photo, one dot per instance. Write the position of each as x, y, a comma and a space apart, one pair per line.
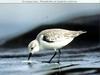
80, 61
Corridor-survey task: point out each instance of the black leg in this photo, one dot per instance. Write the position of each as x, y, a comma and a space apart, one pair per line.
52, 56
59, 52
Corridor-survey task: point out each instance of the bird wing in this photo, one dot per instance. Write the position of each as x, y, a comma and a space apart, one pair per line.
53, 37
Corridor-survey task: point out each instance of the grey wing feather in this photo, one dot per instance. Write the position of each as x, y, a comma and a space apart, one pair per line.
52, 38
53, 35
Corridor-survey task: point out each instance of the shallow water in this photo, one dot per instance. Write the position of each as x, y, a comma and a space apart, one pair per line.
81, 57
73, 62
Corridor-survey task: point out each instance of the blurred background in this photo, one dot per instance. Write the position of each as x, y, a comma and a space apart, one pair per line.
20, 23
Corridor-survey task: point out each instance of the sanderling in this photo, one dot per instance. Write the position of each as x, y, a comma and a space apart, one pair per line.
52, 39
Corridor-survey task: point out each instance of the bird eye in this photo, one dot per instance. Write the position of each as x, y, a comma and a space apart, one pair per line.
31, 48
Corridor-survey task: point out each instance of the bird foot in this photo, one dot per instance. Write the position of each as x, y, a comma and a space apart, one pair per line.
50, 62
58, 62
46, 62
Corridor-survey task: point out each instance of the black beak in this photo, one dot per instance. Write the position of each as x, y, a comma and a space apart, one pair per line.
30, 54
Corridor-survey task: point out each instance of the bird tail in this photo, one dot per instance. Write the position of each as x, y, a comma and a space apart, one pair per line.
82, 32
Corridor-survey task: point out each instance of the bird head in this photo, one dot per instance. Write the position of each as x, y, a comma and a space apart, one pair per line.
33, 47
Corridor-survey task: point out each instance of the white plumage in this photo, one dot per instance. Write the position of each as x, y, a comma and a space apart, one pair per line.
52, 39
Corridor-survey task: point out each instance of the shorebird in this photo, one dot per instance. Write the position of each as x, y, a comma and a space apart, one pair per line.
52, 39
